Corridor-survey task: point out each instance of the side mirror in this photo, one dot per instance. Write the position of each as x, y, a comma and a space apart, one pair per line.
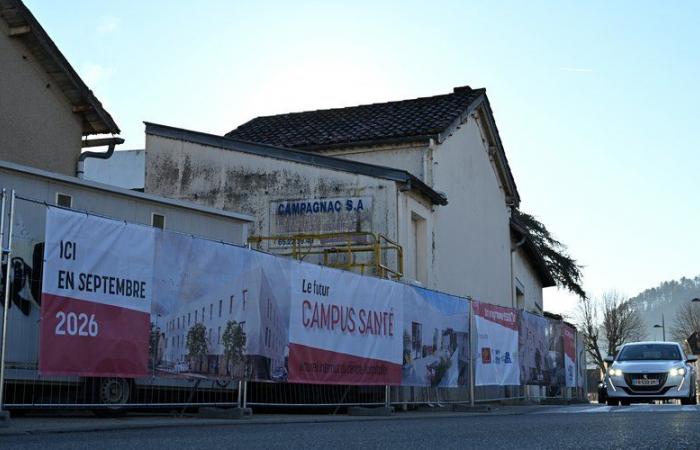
609, 359
692, 358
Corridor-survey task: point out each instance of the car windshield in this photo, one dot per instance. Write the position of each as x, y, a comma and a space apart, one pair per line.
644, 352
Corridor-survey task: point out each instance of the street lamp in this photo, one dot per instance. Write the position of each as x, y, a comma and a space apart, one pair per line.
663, 324
695, 300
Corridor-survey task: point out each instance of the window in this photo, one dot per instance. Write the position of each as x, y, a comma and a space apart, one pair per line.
218, 334
220, 304
230, 305
158, 220
64, 200
245, 294
211, 311
195, 315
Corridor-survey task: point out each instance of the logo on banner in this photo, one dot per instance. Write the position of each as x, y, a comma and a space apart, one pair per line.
486, 355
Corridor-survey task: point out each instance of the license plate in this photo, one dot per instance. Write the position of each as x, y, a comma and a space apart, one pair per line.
645, 382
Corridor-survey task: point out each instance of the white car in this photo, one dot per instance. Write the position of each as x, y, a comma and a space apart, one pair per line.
645, 371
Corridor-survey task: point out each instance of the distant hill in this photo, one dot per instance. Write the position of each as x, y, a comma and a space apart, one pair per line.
665, 298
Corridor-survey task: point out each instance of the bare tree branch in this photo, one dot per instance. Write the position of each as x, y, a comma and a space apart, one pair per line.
614, 316
685, 322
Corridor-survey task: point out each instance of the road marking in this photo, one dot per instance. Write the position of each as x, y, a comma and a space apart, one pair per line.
621, 409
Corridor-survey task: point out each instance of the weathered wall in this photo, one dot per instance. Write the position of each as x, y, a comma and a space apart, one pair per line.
524, 273
37, 125
244, 182
406, 158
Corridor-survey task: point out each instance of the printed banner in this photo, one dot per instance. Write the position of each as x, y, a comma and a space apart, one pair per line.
554, 363
569, 341
497, 345
580, 361
219, 310
128, 300
533, 348
96, 296
345, 328
435, 339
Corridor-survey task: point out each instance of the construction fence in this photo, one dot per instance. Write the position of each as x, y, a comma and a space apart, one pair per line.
102, 313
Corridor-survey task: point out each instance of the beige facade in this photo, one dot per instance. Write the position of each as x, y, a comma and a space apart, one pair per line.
37, 125
45, 108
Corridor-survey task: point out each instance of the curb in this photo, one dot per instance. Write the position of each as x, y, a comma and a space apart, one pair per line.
172, 422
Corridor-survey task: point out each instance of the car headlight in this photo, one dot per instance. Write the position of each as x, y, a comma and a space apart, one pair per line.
676, 371
614, 372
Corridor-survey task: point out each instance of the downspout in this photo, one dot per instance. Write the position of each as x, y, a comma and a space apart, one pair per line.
109, 142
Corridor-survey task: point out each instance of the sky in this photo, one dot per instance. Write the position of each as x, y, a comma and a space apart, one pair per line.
596, 102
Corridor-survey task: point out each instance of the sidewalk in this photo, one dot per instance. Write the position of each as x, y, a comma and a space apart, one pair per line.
86, 422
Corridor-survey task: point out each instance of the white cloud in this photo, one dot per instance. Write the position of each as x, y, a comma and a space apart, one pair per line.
93, 74
107, 24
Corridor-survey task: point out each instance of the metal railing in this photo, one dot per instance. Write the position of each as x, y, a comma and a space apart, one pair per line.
363, 251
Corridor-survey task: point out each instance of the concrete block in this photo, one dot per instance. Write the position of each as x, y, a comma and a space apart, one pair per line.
363, 411
225, 413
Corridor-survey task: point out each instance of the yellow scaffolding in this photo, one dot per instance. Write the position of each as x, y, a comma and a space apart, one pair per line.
361, 250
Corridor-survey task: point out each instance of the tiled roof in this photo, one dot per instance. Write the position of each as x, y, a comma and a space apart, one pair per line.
417, 119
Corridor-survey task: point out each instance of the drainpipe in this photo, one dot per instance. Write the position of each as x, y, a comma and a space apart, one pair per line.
109, 142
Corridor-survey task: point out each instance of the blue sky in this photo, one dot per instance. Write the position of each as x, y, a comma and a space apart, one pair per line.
596, 102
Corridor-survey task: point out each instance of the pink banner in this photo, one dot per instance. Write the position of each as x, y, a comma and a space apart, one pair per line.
313, 365
91, 339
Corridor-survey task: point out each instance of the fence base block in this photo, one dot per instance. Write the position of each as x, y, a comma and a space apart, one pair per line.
362, 411
225, 413
4, 418
475, 408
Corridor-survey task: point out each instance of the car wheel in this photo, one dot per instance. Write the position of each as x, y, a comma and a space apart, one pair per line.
612, 402
625, 402
113, 393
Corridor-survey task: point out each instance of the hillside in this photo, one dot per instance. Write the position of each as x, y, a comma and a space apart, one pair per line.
665, 298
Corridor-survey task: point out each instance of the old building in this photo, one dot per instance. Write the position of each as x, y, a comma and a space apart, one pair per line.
45, 108
452, 144
430, 173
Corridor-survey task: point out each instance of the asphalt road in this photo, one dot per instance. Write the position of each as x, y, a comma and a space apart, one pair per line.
632, 427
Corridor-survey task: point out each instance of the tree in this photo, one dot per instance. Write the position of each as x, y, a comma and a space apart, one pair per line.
685, 322
197, 347
564, 269
234, 339
615, 317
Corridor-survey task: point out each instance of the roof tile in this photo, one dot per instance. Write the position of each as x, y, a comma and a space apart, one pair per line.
418, 117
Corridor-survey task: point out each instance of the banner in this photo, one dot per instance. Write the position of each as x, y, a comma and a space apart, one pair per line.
580, 361
345, 328
96, 296
569, 341
219, 310
533, 348
554, 363
435, 339
125, 300
497, 345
